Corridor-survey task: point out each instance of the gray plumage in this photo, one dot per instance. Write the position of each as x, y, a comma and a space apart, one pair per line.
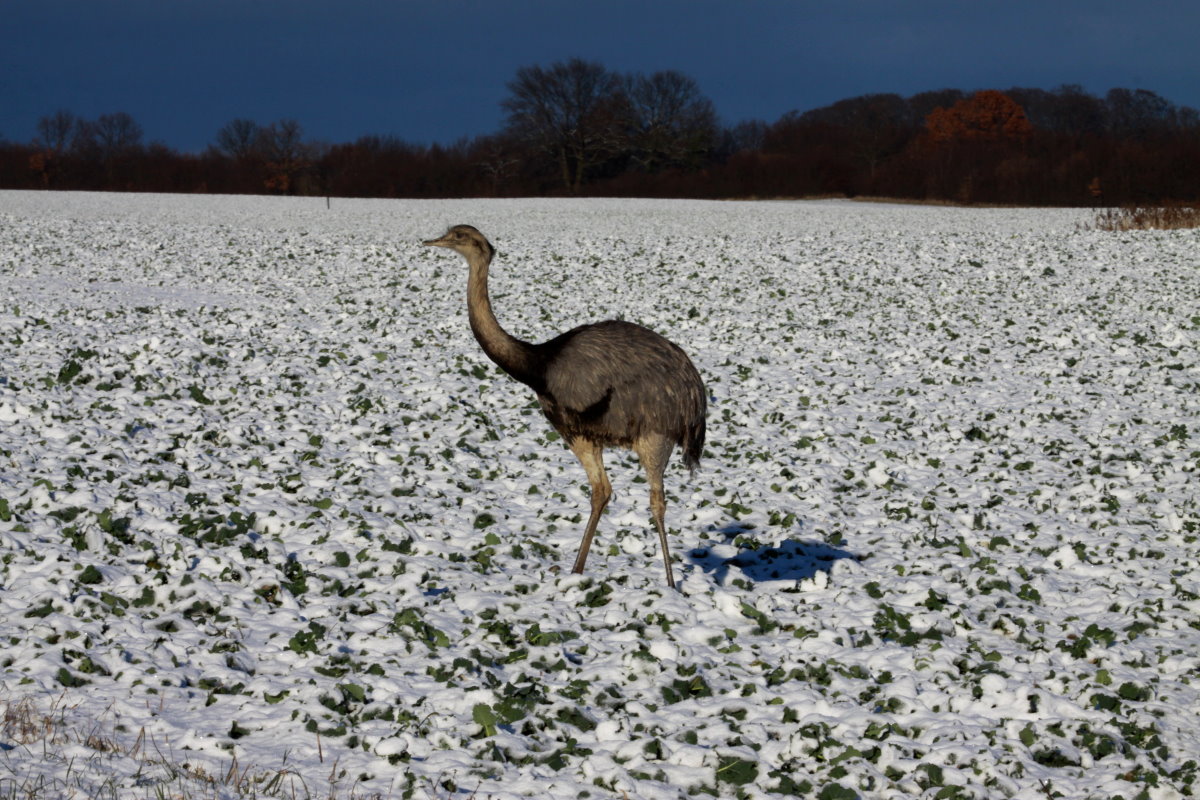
608, 384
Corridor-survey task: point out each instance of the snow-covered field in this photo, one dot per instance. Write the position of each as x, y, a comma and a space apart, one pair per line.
268, 513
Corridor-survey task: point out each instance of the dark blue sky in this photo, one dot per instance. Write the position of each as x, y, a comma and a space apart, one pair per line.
429, 71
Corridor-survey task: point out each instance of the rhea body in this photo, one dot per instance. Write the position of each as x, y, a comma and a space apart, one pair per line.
607, 384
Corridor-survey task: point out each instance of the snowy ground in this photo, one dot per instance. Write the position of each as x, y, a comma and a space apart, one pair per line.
266, 509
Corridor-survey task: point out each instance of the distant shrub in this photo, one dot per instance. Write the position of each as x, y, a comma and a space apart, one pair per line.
1169, 216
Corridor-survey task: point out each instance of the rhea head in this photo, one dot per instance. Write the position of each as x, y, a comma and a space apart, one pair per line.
463, 239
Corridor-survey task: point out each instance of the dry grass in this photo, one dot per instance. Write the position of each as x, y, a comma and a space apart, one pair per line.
46, 754
23, 723
1169, 216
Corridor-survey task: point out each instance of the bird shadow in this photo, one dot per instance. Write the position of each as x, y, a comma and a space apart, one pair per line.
789, 560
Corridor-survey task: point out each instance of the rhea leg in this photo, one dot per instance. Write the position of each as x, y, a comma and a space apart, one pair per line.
591, 455
653, 452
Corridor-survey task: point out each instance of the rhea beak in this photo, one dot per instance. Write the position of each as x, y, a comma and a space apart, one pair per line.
442, 242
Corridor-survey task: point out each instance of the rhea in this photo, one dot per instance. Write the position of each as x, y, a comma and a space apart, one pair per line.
607, 384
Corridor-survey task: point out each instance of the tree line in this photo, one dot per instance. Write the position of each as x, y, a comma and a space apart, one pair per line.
576, 127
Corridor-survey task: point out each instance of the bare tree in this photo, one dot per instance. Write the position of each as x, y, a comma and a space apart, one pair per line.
745, 135
54, 132
568, 111
237, 139
497, 159
281, 141
281, 145
54, 136
111, 141
671, 123
117, 135
1138, 113
1077, 111
875, 126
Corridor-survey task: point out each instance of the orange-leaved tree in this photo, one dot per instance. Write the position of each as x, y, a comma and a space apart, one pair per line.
987, 115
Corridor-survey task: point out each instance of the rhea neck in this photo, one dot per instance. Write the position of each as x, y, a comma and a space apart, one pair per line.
511, 354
